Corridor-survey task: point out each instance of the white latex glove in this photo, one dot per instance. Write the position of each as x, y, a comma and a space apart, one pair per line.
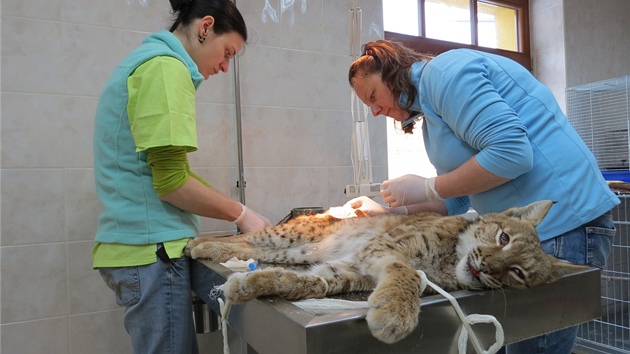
409, 189
250, 220
372, 208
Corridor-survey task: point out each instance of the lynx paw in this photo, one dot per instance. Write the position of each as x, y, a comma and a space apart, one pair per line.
196, 242
391, 319
236, 290
189, 246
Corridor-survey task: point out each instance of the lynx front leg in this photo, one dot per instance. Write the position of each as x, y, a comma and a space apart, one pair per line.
220, 251
199, 240
395, 303
240, 239
242, 287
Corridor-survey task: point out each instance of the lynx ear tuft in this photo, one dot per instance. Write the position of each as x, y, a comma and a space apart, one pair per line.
534, 212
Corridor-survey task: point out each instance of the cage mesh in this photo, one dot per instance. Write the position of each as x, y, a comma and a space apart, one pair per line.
599, 113
611, 332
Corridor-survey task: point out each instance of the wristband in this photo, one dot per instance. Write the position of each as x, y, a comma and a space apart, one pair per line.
240, 217
432, 194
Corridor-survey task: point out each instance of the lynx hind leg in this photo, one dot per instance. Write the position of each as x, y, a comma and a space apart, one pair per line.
394, 305
290, 285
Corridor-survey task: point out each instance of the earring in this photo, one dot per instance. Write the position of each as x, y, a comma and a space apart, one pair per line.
202, 37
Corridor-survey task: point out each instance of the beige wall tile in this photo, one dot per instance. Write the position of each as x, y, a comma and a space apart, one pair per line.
34, 282
33, 207
99, 333
81, 204
49, 335
78, 118
90, 54
33, 130
109, 14
50, 10
32, 59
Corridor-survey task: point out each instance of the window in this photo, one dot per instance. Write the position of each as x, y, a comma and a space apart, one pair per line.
435, 26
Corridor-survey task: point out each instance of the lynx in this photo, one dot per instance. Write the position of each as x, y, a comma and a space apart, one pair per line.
382, 253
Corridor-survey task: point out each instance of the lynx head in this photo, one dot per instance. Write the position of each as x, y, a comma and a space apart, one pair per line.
503, 249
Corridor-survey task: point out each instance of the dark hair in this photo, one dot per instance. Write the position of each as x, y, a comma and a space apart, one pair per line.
392, 61
227, 18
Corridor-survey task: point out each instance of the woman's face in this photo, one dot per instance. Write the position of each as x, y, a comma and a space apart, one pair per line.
216, 51
375, 94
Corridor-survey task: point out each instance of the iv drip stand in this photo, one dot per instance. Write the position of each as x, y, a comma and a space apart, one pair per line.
361, 165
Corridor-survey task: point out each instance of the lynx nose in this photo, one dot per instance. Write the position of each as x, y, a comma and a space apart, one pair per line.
485, 267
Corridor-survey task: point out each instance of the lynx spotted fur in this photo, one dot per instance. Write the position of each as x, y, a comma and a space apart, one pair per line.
382, 253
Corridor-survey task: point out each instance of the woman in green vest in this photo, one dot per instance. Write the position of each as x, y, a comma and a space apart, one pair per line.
145, 126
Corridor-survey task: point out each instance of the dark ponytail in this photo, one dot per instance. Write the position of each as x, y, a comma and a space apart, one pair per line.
227, 18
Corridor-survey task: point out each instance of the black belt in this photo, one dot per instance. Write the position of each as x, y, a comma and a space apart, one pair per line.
161, 253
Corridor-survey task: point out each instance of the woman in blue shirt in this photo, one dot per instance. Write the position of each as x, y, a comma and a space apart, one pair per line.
498, 139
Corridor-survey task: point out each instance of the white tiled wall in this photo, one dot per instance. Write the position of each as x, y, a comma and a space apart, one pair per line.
56, 57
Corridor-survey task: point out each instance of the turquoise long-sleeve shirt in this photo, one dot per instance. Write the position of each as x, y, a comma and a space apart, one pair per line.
487, 106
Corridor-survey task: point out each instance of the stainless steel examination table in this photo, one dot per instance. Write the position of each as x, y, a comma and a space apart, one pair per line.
273, 325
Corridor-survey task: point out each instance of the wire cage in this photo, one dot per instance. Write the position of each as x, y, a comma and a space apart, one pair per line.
611, 332
600, 114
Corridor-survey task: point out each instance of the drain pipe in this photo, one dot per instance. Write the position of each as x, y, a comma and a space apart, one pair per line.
240, 184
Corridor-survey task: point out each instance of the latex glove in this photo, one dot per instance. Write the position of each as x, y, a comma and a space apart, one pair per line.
409, 189
250, 220
372, 208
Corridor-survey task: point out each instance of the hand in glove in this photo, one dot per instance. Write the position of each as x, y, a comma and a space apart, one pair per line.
409, 189
372, 208
250, 220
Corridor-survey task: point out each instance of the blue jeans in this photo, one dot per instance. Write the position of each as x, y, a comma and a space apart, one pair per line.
588, 244
158, 305
203, 282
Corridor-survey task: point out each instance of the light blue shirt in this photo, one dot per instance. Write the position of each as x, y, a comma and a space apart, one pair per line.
488, 106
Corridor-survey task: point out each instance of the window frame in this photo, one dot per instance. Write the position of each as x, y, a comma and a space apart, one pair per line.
435, 46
